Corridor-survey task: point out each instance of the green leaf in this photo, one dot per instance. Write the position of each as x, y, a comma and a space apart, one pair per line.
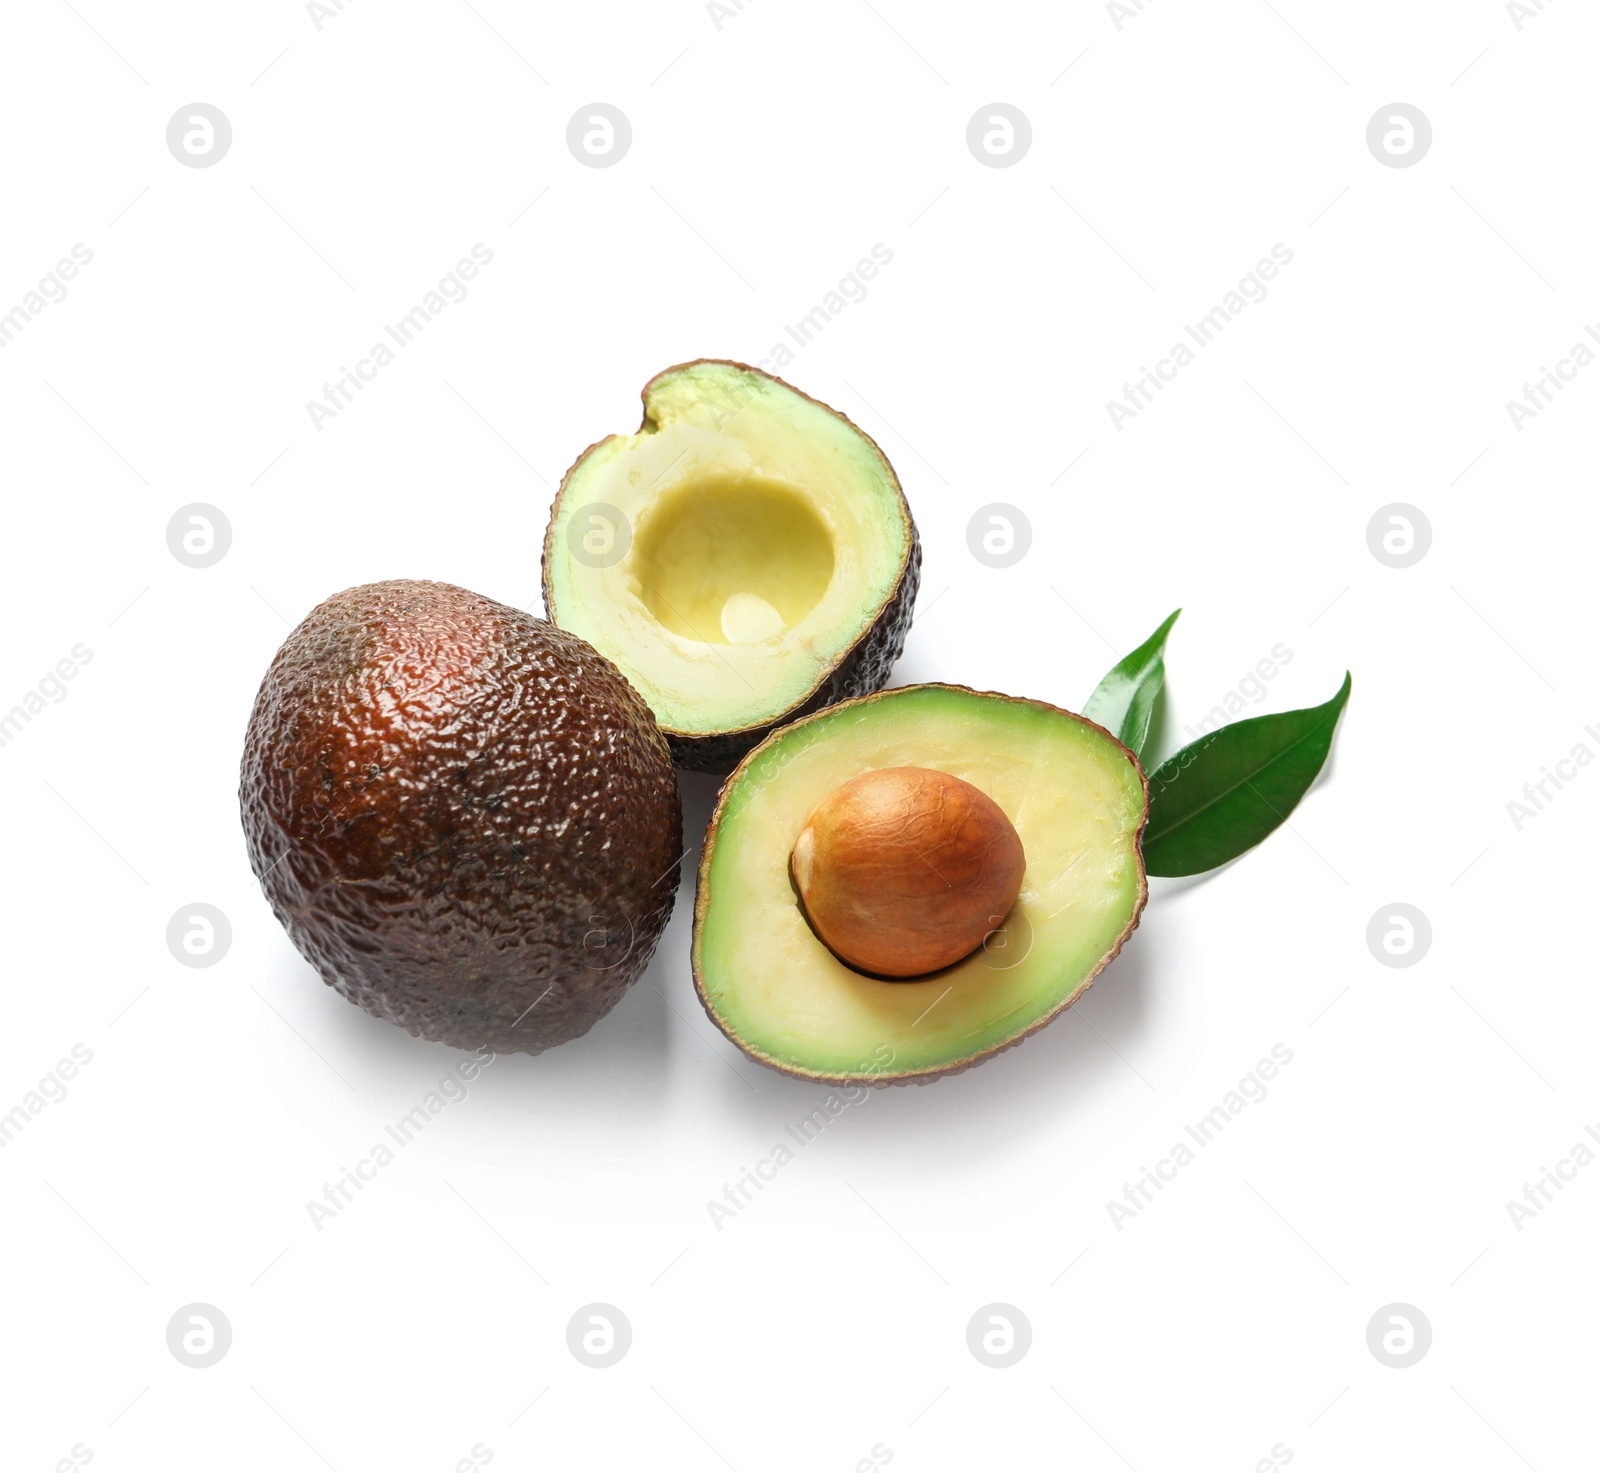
1123, 701
1226, 792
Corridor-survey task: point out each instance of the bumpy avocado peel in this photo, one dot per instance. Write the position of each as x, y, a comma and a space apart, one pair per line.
464, 817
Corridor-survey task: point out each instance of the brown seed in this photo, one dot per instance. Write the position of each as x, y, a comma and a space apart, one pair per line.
905, 870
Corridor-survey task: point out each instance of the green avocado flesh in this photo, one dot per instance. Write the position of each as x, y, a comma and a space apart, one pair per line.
761, 536
1076, 798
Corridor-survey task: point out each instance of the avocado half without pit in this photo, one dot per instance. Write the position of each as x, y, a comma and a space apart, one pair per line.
745, 558
905, 884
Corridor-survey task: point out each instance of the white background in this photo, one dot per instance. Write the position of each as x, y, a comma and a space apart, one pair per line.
830, 1316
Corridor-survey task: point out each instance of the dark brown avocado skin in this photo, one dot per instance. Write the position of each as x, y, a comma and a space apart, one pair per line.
464, 817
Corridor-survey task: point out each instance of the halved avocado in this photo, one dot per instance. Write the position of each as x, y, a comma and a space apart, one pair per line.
746, 557
1077, 799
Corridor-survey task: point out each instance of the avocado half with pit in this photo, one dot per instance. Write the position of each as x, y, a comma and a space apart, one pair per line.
870, 813
745, 558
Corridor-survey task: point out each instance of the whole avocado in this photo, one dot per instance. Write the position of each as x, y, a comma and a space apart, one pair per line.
465, 817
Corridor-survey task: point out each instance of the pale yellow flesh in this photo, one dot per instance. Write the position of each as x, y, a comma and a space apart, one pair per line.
1076, 800
763, 534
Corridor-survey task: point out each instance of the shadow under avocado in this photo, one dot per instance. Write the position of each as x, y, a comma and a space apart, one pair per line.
1079, 1060
621, 1068
623, 1050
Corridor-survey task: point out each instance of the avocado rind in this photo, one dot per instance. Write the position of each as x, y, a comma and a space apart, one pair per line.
464, 817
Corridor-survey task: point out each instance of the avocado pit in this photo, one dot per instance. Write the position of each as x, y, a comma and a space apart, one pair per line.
904, 870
